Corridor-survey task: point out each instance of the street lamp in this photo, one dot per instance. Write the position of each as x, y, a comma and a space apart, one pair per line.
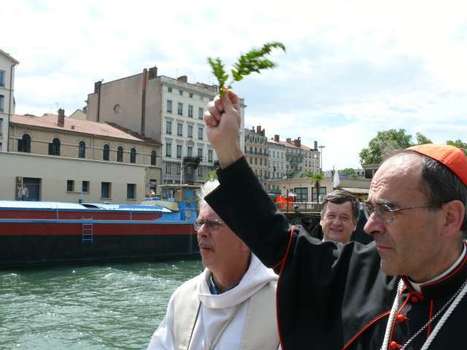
181, 171
321, 157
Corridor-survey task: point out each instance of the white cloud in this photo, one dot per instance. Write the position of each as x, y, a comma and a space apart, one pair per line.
352, 68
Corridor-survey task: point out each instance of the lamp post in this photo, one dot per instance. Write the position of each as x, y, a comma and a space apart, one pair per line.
181, 171
321, 157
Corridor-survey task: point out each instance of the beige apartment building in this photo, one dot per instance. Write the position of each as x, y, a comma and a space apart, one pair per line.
165, 109
303, 188
57, 158
256, 151
7, 100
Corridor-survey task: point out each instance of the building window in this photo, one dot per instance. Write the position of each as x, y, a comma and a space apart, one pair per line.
106, 152
2, 103
189, 151
190, 131
54, 147
200, 133
120, 154
168, 150
191, 95
178, 168
200, 171
169, 88
24, 144
301, 194
168, 168
70, 185
179, 151
2, 78
200, 153
179, 129
1, 128
210, 155
106, 190
131, 191
133, 155
180, 92
190, 111
153, 158
168, 127
82, 150
200, 113
169, 106
180, 108
322, 193
85, 187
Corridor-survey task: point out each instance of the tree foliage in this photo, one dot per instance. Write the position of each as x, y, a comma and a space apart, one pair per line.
386, 142
422, 139
316, 178
348, 172
459, 144
383, 144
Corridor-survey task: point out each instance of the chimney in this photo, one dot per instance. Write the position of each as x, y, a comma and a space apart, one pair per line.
152, 73
276, 138
289, 140
316, 145
97, 86
183, 78
298, 142
61, 117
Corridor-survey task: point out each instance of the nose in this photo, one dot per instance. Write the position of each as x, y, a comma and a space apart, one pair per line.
374, 224
202, 231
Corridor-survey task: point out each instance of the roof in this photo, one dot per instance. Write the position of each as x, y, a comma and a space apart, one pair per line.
135, 134
355, 190
291, 145
8, 56
49, 121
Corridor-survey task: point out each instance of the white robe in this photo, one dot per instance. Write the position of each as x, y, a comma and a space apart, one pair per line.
227, 309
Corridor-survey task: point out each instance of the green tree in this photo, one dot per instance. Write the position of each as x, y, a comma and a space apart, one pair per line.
316, 179
459, 144
384, 143
422, 139
348, 172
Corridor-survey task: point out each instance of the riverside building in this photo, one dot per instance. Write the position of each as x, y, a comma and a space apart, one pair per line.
167, 110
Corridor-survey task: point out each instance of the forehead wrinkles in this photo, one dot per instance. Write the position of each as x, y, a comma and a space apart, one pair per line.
399, 173
206, 212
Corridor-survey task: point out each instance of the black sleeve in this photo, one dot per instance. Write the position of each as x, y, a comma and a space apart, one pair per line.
245, 207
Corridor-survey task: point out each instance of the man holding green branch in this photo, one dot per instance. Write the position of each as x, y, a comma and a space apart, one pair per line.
405, 290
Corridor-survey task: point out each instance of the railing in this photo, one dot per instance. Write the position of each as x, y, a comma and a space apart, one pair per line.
305, 207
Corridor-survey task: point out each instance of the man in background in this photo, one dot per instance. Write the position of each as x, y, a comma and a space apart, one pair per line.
339, 216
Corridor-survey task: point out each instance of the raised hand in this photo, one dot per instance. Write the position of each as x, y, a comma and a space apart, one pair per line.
223, 122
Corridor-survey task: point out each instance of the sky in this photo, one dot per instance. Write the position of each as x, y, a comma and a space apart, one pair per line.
352, 68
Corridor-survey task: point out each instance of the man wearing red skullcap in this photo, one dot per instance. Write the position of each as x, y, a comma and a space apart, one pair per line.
405, 290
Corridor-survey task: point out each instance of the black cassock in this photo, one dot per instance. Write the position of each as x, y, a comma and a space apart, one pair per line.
329, 295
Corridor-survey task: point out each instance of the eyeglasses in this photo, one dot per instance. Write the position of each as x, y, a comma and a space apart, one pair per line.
386, 211
211, 225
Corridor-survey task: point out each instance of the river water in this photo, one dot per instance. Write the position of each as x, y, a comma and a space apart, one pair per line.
89, 307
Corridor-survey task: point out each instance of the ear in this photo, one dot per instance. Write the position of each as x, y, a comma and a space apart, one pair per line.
454, 212
244, 248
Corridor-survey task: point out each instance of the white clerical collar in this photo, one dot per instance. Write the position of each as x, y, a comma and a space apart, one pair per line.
418, 286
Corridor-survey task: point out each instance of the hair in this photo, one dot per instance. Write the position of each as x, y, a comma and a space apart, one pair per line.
442, 185
340, 197
207, 188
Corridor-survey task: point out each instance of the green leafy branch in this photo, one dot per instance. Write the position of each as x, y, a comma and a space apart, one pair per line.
251, 62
